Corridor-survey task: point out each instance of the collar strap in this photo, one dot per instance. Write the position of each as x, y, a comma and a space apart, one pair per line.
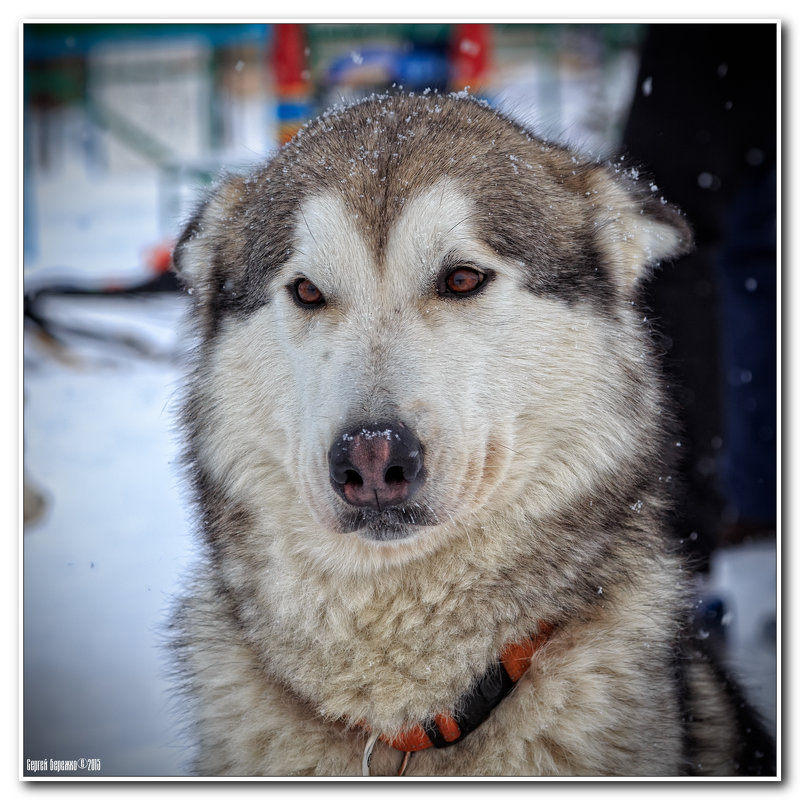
475, 705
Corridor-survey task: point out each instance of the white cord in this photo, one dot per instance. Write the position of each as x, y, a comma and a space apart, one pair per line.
368, 754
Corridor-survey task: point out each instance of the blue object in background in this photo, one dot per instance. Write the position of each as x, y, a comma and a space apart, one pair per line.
413, 69
747, 272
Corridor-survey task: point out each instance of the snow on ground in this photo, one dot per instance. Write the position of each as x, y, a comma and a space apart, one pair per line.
101, 566
104, 561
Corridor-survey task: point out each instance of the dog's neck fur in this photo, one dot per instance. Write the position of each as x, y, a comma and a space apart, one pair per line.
393, 649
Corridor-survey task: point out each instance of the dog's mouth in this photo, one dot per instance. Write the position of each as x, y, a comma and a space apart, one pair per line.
390, 524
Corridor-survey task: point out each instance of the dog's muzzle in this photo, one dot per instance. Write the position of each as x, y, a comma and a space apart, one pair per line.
377, 466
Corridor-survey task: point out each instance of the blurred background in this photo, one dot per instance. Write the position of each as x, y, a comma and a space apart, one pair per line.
124, 125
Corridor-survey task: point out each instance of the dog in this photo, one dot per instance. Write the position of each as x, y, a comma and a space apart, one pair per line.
431, 455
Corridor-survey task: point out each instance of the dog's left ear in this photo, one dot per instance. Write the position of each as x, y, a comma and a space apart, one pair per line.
636, 228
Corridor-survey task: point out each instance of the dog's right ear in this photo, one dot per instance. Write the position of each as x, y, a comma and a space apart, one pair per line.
196, 258
182, 262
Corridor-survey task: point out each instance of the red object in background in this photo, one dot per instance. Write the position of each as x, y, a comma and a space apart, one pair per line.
470, 56
289, 60
292, 84
159, 258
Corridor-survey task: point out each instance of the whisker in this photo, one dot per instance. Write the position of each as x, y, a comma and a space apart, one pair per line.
462, 221
307, 225
506, 447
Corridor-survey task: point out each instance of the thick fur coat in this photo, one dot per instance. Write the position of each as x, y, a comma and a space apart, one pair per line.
425, 265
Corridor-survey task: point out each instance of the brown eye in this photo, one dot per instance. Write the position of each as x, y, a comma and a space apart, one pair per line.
306, 293
463, 280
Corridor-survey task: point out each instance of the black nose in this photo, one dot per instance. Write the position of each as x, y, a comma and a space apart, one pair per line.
378, 465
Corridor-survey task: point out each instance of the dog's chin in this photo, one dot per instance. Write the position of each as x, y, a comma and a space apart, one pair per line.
386, 533
389, 525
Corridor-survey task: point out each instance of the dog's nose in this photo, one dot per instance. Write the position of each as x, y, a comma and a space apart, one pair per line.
376, 466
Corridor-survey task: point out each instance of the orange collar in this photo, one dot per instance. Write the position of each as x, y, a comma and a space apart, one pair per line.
475, 705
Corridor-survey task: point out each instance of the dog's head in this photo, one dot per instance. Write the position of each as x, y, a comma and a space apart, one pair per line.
415, 317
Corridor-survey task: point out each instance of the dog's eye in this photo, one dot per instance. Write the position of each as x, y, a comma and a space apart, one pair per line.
462, 281
306, 293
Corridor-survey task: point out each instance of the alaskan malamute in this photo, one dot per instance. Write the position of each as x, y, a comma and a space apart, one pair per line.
432, 461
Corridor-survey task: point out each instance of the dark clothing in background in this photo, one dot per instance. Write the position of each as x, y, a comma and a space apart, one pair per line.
703, 122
